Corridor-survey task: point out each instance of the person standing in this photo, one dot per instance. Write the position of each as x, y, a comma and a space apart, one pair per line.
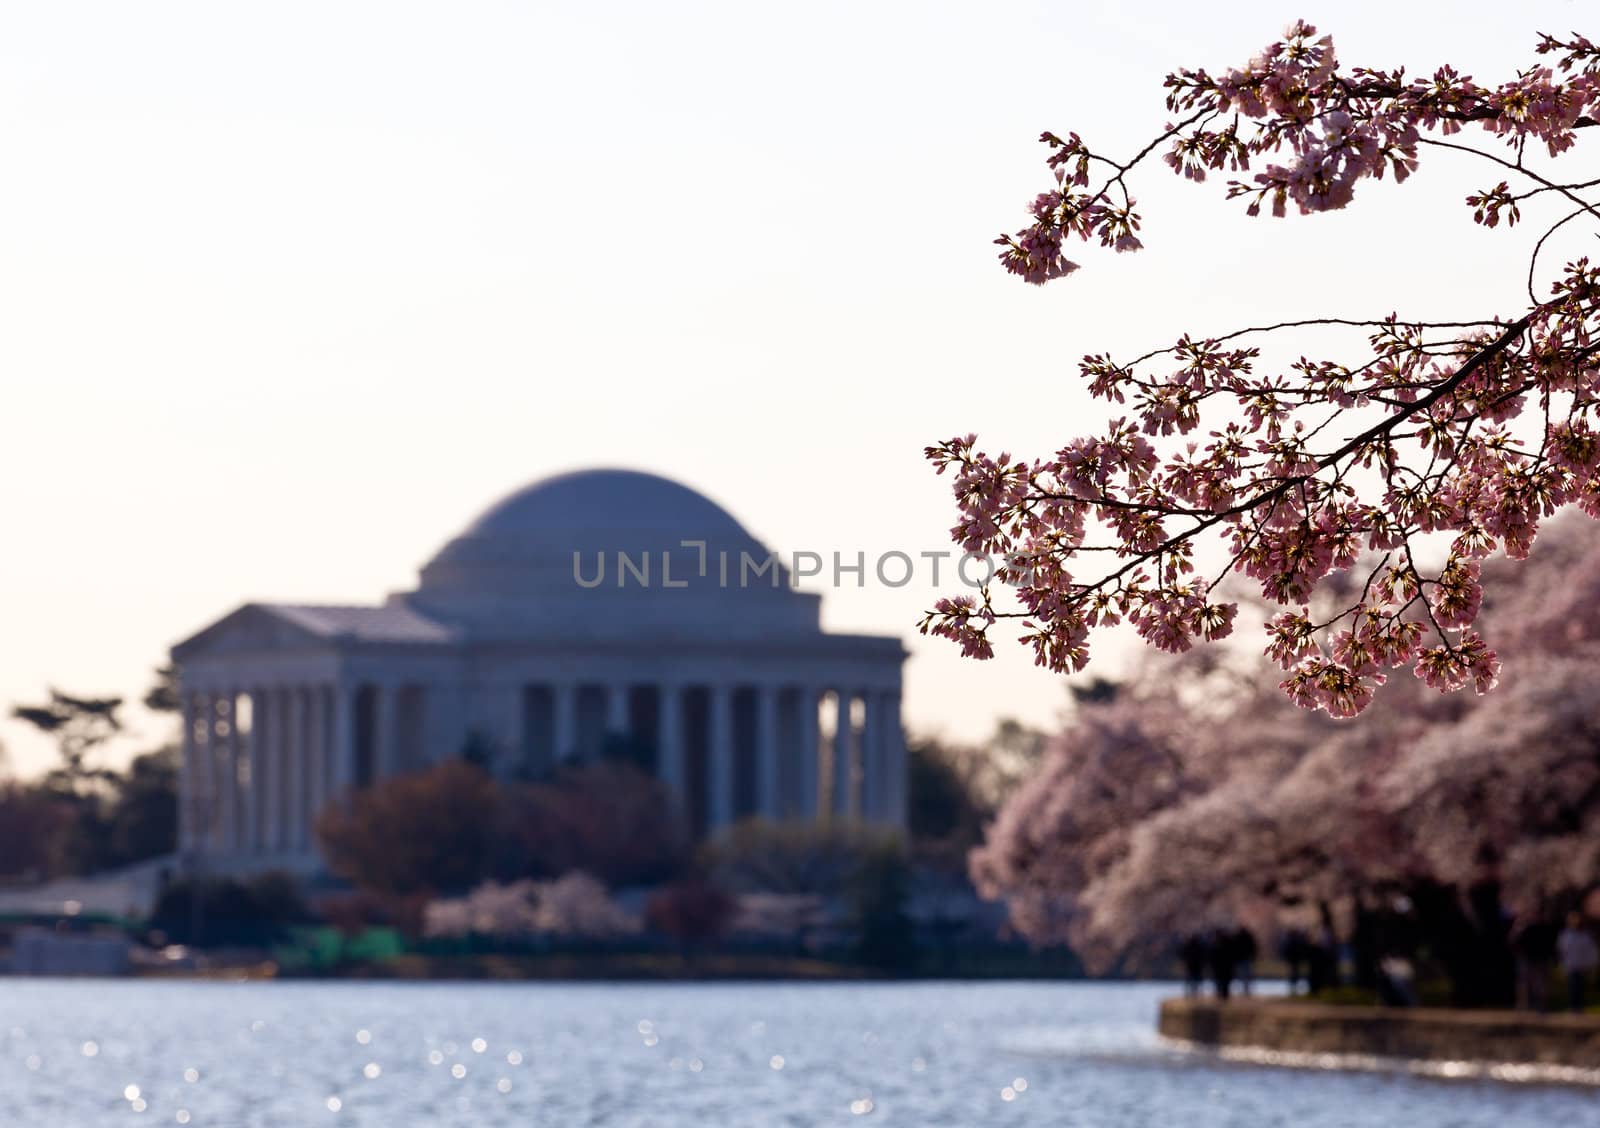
1223, 962
1576, 949
1245, 950
1295, 949
1533, 939
1193, 953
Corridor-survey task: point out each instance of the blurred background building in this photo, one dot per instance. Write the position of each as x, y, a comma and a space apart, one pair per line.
601, 612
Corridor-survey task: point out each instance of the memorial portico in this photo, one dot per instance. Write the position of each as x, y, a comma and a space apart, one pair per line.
587, 613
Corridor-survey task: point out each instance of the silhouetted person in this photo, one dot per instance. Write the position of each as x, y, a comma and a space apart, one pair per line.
1295, 949
1194, 953
1223, 962
1245, 950
1534, 942
1322, 963
1578, 955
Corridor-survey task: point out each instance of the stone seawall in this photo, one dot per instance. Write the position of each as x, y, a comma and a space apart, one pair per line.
1293, 1027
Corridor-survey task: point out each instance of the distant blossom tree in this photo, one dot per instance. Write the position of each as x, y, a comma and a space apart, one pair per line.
574, 904
1195, 796
1456, 435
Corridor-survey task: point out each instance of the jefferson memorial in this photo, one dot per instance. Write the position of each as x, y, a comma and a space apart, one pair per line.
589, 611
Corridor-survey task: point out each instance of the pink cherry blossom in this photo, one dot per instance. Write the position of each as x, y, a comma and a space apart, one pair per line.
1433, 445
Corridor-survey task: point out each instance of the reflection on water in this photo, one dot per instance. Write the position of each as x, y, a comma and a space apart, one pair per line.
129, 1052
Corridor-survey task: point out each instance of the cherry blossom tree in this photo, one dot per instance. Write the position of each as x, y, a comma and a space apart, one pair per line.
1198, 796
1428, 444
573, 905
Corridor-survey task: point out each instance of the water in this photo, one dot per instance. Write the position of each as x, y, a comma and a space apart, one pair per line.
673, 1055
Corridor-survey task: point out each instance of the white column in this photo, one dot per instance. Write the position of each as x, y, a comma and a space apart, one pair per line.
719, 772
769, 785
224, 742
295, 776
844, 770
873, 775
261, 738
564, 703
342, 765
238, 824
206, 802
263, 764
244, 765
188, 770
809, 804
669, 742
894, 760
278, 793
316, 760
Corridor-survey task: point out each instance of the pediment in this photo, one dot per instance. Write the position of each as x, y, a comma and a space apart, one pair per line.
252, 629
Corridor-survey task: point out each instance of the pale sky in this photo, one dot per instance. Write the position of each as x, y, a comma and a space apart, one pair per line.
289, 292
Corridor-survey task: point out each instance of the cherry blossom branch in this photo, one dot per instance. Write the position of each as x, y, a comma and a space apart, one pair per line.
1294, 514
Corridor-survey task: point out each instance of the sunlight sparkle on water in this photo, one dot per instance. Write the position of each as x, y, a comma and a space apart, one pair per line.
807, 1066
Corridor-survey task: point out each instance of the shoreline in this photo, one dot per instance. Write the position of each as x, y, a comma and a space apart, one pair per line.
1495, 1044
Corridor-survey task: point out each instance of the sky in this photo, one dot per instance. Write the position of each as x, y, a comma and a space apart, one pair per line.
290, 292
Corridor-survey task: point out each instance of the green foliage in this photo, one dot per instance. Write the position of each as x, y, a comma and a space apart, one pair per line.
82, 818
163, 696
33, 832
757, 856
880, 889
257, 912
142, 814
941, 806
79, 726
956, 788
49, 830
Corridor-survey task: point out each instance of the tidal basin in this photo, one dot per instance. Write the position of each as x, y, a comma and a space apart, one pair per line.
82, 1052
